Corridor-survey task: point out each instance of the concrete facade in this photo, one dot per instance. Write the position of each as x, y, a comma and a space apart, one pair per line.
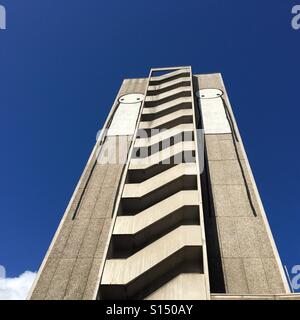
155, 225
71, 265
157, 244
241, 249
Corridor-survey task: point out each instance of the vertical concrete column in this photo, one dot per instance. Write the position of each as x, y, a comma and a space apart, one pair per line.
242, 254
156, 249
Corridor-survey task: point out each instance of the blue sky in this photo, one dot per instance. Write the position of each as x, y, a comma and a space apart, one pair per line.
62, 62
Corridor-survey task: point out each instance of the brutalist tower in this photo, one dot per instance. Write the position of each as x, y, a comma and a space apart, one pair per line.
167, 206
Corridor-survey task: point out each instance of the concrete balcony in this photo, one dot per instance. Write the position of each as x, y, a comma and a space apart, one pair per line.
181, 130
144, 163
168, 121
185, 286
167, 86
159, 80
133, 232
163, 109
135, 223
143, 168
144, 272
139, 196
155, 100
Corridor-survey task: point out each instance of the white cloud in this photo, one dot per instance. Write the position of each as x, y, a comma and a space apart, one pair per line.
16, 288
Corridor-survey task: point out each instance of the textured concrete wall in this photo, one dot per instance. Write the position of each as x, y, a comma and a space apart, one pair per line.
242, 255
72, 264
71, 268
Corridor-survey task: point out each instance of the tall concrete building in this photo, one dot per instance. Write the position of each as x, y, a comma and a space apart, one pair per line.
167, 206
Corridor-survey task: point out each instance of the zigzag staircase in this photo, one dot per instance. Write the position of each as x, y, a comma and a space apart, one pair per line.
156, 249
